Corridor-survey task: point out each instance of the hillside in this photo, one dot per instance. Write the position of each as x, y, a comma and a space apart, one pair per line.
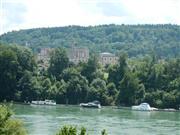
136, 40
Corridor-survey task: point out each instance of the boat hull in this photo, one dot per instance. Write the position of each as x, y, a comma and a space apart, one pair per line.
90, 105
46, 102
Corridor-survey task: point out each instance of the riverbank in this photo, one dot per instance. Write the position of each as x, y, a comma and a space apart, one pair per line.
162, 110
113, 107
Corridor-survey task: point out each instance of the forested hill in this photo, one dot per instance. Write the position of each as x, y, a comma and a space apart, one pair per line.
137, 40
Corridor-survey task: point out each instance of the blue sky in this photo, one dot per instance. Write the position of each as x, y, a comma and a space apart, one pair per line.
23, 14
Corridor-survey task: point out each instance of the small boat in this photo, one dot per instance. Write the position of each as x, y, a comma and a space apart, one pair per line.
94, 104
45, 102
144, 107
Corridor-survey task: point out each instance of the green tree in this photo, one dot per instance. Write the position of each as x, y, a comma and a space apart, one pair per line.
58, 62
29, 87
77, 89
25, 58
46, 88
112, 91
169, 100
8, 74
116, 73
131, 91
90, 68
76, 86
61, 92
98, 91
14, 62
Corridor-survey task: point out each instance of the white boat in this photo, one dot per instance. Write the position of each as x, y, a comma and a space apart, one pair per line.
143, 107
45, 102
94, 104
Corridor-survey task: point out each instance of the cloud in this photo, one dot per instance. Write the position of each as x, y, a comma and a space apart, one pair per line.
154, 11
112, 9
15, 12
22, 14
12, 14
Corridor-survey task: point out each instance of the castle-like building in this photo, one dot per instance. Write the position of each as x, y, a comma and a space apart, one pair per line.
44, 53
43, 57
77, 54
107, 58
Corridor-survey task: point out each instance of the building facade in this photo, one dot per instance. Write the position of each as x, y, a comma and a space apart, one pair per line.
43, 57
107, 58
44, 53
77, 55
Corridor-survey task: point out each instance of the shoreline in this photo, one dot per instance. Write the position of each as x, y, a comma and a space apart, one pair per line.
159, 110
113, 107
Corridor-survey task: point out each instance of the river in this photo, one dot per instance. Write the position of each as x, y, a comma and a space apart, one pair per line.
46, 120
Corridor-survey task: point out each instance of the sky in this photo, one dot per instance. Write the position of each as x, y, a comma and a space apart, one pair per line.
24, 14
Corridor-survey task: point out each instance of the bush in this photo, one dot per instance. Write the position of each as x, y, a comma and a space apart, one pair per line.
9, 126
70, 130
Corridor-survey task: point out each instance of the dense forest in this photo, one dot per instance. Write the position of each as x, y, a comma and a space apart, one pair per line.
129, 82
136, 40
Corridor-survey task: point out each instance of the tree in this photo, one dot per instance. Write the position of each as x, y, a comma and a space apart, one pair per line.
69, 73
116, 73
25, 58
46, 88
112, 91
9, 126
14, 62
77, 89
8, 74
98, 91
90, 68
58, 62
61, 92
29, 87
131, 91
169, 100
76, 86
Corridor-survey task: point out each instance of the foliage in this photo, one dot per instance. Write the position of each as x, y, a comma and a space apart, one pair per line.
131, 91
89, 69
77, 89
131, 81
136, 40
28, 87
71, 130
58, 62
8, 125
98, 91
117, 72
15, 61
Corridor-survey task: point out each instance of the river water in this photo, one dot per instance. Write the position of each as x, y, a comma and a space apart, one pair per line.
46, 120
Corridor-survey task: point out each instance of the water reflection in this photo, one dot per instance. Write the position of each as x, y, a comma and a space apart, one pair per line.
141, 114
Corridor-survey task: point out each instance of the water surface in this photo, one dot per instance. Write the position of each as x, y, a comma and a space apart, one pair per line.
46, 120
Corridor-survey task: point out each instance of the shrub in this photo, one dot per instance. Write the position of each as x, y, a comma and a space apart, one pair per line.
70, 130
9, 126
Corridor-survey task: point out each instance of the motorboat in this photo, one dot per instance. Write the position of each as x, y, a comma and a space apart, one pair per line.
94, 104
143, 107
45, 102
50, 102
